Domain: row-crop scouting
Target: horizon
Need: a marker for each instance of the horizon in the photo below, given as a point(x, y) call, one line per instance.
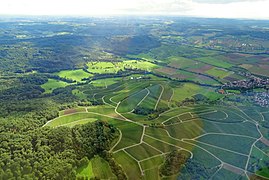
point(228, 9)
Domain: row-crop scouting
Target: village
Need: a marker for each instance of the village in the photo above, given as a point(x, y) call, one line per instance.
point(246, 84)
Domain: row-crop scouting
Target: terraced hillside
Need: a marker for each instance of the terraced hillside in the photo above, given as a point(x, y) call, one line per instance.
point(221, 141)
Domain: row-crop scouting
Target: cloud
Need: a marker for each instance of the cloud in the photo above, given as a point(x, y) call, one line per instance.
point(204, 8)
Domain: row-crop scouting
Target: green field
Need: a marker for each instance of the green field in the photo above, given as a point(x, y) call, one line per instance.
point(101, 168)
point(76, 75)
point(218, 72)
point(105, 82)
point(114, 67)
point(97, 168)
point(79, 94)
point(215, 62)
point(53, 84)
point(85, 171)
point(76, 118)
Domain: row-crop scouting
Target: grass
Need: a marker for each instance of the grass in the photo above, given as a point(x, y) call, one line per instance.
point(101, 169)
point(76, 75)
point(96, 168)
point(85, 171)
point(79, 94)
point(79, 122)
point(53, 84)
point(60, 121)
point(114, 67)
point(105, 82)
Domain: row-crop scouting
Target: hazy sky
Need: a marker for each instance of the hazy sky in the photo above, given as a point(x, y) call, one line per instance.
point(205, 8)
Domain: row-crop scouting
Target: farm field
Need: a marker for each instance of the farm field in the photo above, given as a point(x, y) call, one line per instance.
point(144, 143)
point(76, 75)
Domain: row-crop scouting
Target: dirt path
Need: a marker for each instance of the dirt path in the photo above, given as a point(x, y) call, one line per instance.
point(156, 105)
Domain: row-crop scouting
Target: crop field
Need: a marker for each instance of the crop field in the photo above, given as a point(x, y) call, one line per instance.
point(188, 90)
point(53, 84)
point(219, 73)
point(151, 101)
point(142, 151)
point(179, 74)
point(260, 69)
point(184, 63)
point(209, 134)
point(76, 75)
point(131, 102)
point(215, 62)
point(129, 165)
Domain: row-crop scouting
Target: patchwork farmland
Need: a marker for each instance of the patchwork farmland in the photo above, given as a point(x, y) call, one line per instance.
point(145, 140)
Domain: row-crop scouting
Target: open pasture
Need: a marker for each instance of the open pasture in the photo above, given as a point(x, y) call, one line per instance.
point(53, 84)
point(105, 82)
point(76, 75)
point(99, 67)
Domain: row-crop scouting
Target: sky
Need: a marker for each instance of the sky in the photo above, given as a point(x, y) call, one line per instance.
point(254, 9)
